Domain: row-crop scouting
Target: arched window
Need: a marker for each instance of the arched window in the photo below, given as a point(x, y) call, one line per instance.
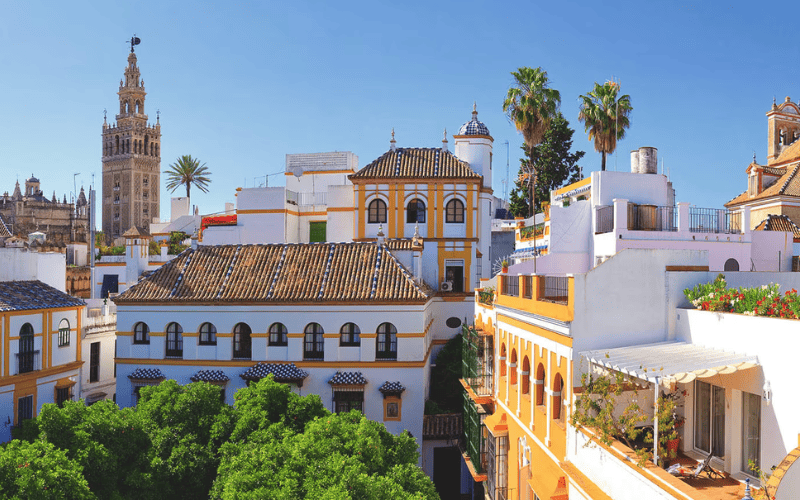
point(502, 360)
point(513, 367)
point(63, 333)
point(415, 211)
point(558, 386)
point(540, 385)
point(141, 333)
point(27, 355)
point(242, 343)
point(208, 334)
point(314, 342)
point(174, 340)
point(278, 335)
point(454, 211)
point(350, 335)
point(377, 211)
point(146, 145)
point(731, 265)
point(386, 347)
point(525, 374)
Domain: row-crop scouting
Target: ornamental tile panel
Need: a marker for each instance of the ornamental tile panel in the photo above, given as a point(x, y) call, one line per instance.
point(147, 374)
point(348, 378)
point(209, 376)
point(281, 372)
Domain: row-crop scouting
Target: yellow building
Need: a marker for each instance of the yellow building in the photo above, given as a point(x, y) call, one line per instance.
point(41, 350)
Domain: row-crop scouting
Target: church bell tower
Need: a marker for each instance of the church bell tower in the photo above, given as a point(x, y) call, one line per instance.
point(131, 159)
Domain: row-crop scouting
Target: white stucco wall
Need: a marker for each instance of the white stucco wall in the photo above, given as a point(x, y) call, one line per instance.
point(18, 264)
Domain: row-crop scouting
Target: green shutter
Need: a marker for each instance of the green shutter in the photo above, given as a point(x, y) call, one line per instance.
point(317, 232)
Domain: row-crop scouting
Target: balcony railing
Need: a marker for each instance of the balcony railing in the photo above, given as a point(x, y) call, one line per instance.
point(511, 286)
point(556, 289)
point(27, 361)
point(313, 198)
point(712, 220)
point(605, 219)
point(527, 287)
point(652, 218)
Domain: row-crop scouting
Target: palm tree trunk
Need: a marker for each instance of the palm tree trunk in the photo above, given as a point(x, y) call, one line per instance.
point(533, 210)
point(189, 185)
point(604, 160)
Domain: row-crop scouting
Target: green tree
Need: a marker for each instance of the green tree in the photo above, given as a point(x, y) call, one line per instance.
point(40, 471)
point(605, 117)
point(187, 171)
point(554, 164)
point(446, 390)
point(530, 104)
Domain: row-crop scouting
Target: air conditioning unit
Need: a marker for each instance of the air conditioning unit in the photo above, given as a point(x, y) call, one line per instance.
point(446, 286)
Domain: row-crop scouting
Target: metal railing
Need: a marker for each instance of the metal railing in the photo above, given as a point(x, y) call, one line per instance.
point(605, 219)
point(527, 287)
point(312, 198)
point(652, 218)
point(511, 286)
point(27, 361)
point(556, 289)
point(713, 220)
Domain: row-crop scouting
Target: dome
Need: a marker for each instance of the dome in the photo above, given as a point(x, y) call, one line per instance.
point(474, 127)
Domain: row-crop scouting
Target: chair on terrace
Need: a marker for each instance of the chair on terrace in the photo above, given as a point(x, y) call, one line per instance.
point(704, 466)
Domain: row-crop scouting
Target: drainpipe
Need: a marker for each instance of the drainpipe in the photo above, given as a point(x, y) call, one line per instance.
point(655, 423)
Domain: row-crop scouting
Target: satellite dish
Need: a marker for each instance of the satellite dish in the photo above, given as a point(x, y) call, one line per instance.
point(297, 171)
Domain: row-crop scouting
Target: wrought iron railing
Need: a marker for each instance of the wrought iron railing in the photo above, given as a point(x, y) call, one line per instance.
point(527, 287)
point(605, 219)
point(652, 218)
point(511, 286)
point(713, 220)
point(556, 289)
point(27, 361)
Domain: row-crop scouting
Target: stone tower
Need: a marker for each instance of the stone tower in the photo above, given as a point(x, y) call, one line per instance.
point(131, 160)
point(784, 128)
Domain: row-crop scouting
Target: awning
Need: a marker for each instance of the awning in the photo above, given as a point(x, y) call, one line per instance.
point(669, 362)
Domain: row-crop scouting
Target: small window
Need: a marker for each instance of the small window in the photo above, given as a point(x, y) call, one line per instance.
point(525, 375)
point(377, 212)
point(346, 400)
point(454, 211)
point(63, 333)
point(278, 335)
point(350, 335)
point(557, 388)
point(63, 394)
point(94, 362)
point(314, 342)
point(208, 334)
point(141, 333)
point(174, 340)
point(26, 358)
point(540, 385)
point(24, 408)
point(386, 347)
point(502, 360)
point(731, 265)
point(242, 342)
point(513, 367)
point(415, 213)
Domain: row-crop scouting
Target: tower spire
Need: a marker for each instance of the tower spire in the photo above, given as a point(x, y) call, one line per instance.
point(392, 143)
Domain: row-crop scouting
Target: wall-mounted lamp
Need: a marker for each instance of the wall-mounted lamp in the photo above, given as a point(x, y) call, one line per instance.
point(767, 393)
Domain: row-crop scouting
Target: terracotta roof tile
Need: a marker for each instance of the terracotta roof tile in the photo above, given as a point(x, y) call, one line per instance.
point(310, 272)
point(445, 426)
point(790, 153)
point(414, 163)
point(779, 223)
point(26, 295)
point(787, 184)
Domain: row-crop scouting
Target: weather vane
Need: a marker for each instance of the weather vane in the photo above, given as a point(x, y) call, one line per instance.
point(104, 114)
point(134, 41)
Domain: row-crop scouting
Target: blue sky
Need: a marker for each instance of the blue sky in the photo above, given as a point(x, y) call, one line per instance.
point(241, 85)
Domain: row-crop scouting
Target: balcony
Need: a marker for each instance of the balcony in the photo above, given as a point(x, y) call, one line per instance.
point(27, 362)
point(541, 295)
point(313, 198)
point(681, 219)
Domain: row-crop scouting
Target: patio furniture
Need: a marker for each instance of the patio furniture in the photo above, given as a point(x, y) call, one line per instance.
point(704, 466)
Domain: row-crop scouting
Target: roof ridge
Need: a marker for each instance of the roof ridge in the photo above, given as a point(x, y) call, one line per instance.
point(406, 274)
point(375, 273)
point(789, 179)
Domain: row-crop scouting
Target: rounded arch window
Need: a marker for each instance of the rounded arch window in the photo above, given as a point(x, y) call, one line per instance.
point(377, 211)
point(525, 374)
point(731, 265)
point(350, 335)
point(386, 346)
point(502, 360)
point(513, 367)
point(540, 374)
point(174, 340)
point(242, 341)
point(63, 333)
point(208, 334)
point(314, 342)
point(454, 211)
point(415, 212)
point(558, 386)
point(141, 333)
point(278, 334)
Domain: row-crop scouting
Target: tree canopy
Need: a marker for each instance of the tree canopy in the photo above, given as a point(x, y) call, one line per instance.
point(555, 165)
point(605, 117)
point(187, 171)
point(183, 442)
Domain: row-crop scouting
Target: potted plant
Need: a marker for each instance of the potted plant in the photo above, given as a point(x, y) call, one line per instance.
point(668, 424)
point(505, 266)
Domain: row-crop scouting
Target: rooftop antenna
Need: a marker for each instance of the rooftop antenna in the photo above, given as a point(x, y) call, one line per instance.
point(134, 41)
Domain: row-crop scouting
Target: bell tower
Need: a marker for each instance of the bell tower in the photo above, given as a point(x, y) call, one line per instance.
point(131, 159)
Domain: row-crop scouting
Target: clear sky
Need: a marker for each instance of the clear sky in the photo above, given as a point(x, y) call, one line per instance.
point(241, 85)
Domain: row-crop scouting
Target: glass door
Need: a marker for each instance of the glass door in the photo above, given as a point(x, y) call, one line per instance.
point(709, 419)
point(751, 431)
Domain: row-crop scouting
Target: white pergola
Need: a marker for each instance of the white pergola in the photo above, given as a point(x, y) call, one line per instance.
point(667, 363)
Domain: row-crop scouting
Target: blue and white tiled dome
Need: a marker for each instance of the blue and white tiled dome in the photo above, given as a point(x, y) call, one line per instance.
point(474, 127)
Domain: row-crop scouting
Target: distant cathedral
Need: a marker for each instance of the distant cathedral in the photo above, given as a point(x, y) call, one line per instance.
point(131, 160)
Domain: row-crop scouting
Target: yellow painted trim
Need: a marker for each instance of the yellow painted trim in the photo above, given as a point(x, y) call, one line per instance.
point(295, 335)
point(392, 229)
point(440, 214)
point(541, 332)
point(369, 335)
point(105, 264)
point(401, 211)
point(556, 311)
point(431, 218)
point(330, 335)
point(466, 255)
point(410, 335)
point(362, 211)
point(299, 364)
point(575, 185)
point(470, 210)
point(341, 209)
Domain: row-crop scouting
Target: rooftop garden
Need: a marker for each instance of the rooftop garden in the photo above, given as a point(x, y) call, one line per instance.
point(529, 231)
point(765, 300)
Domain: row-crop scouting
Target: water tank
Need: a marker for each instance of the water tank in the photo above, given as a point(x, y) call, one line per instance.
point(635, 161)
point(648, 160)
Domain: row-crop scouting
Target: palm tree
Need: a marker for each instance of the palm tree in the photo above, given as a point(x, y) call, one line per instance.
point(605, 117)
point(530, 104)
point(187, 171)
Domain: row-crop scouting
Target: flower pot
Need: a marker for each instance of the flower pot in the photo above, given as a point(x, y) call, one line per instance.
point(672, 447)
point(505, 270)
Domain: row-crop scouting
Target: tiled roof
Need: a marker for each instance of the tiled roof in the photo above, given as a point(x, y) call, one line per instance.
point(774, 171)
point(779, 223)
point(392, 388)
point(135, 231)
point(281, 372)
point(399, 244)
point(786, 185)
point(790, 153)
point(209, 376)
point(445, 426)
point(348, 378)
point(25, 295)
point(4, 231)
point(280, 273)
point(147, 374)
point(415, 163)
